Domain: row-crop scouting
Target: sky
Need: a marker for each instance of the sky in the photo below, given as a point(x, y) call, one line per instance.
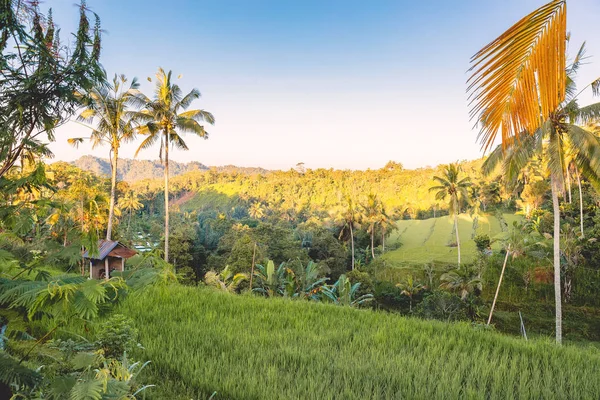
point(331, 83)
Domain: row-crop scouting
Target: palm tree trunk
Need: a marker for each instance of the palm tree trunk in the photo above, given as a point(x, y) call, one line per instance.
point(82, 248)
point(113, 190)
point(373, 240)
point(557, 291)
point(569, 185)
point(129, 222)
point(580, 201)
point(352, 244)
point(253, 260)
point(457, 237)
point(166, 197)
point(499, 283)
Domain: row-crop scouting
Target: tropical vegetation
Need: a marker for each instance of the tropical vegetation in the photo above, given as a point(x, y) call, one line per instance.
point(440, 282)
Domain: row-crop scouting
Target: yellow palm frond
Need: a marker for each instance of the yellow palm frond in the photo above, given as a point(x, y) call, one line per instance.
point(519, 79)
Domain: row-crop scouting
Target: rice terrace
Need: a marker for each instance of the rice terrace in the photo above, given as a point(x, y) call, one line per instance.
point(392, 200)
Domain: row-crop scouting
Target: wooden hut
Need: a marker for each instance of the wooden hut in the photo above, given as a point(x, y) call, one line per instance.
point(111, 256)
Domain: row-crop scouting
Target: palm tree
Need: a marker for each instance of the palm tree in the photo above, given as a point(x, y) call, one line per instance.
point(521, 87)
point(349, 216)
point(456, 189)
point(164, 121)
point(107, 105)
point(410, 288)
point(130, 202)
point(463, 281)
point(256, 210)
point(373, 211)
point(386, 224)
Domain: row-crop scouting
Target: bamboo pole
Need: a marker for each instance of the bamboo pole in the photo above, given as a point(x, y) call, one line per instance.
point(499, 283)
point(252, 271)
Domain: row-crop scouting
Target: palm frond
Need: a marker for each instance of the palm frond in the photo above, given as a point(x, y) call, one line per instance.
point(178, 141)
point(189, 125)
point(589, 114)
point(519, 79)
point(147, 143)
point(199, 115)
point(187, 100)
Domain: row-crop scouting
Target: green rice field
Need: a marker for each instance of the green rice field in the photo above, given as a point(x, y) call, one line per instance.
point(244, 347)
point(427, 240)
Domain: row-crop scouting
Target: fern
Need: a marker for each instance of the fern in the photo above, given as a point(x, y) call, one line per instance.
point(15, 374)
point(87, 389)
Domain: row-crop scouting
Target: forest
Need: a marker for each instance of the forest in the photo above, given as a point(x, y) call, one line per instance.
point(474, 279)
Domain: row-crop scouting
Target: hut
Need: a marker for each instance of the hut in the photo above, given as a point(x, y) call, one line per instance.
point(111, 256)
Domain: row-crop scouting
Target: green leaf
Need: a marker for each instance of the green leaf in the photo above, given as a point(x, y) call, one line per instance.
point(84, 360)
point(87, 390)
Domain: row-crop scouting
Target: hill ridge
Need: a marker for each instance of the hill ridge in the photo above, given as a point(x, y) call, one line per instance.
point(132, 170)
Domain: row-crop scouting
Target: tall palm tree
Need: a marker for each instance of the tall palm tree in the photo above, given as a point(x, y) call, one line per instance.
point(164, 119)
point(349, 215)
point(386, 224)
point(115, 124)
point(520, 86)
point(373, 211)
point(456, 189)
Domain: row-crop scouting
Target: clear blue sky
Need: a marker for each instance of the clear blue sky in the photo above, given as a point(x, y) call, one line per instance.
point(331, 83)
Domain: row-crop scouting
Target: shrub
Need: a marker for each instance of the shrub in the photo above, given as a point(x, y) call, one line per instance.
point(117, 336)
point(482, 242)
point(443, 306)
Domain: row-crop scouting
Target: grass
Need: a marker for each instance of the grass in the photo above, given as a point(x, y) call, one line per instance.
point(425, 241)
point(242, 347)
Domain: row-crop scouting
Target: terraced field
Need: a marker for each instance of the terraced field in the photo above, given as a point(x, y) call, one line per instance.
point(206, 344)
point(428, 240)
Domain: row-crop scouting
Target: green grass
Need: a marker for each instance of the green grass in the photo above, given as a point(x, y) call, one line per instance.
point(425, 241)
point(244, 347)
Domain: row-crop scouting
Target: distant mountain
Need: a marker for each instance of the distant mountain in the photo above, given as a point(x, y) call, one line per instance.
point(135, 170)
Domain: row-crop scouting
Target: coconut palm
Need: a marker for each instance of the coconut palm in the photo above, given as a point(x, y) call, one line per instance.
point(464, 281)
point(373, 210)
point(130, 203)
point(256, 210)
point(107, 105)
point(349, 215)
point(386, 224)
point(410, 288)
point(521, 87)
point(450, 186)
point(164, 119)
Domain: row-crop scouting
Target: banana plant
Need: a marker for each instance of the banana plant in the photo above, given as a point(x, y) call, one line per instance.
point(310, 283)
point(225, 280)
point(344, 293)
point(272, 280)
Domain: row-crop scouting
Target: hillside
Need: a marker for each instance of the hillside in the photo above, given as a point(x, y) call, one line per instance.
point(201, 341)
point(130, 170)
point(424, 241)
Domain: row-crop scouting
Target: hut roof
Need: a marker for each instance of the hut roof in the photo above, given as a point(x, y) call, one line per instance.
point(111, 248)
